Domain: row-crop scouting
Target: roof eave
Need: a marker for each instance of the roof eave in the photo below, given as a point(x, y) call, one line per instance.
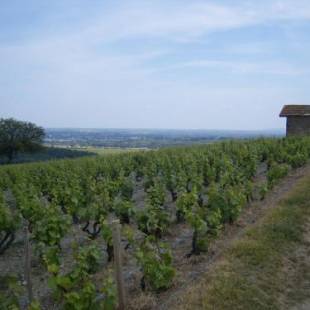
point(287, 115)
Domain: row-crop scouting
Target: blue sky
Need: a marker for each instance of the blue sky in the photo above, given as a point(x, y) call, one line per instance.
point(154, 64)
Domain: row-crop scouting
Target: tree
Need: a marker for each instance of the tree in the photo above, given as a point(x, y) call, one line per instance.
point(17, 136)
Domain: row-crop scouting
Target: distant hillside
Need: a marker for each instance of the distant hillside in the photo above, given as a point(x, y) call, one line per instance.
point(141, 138)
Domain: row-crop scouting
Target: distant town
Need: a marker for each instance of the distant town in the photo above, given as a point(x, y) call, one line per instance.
point(144, 138)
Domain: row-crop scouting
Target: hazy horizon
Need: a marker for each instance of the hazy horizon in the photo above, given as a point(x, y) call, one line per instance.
point(212, 65)
point(163, 129)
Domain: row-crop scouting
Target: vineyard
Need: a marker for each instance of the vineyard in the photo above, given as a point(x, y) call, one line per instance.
point(170, 202)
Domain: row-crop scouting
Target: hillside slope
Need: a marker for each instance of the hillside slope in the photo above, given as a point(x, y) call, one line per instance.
point(267, 266)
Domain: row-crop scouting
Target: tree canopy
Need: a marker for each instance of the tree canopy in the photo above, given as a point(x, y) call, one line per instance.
point(18, 136)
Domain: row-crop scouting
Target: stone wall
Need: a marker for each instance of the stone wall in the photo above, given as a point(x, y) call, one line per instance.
point(298, 125)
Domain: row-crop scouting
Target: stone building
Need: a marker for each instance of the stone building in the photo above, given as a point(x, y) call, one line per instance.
point(298, 119)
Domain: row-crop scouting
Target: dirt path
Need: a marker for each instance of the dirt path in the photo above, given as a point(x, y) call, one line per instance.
point(194, 268)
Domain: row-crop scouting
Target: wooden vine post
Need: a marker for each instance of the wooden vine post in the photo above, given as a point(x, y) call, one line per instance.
point(28, 265)
point(118, 264)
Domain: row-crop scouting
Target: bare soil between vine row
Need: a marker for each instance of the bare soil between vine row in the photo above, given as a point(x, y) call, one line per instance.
point(179, 238)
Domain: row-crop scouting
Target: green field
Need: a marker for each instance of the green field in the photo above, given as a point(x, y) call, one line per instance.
point(108, 150)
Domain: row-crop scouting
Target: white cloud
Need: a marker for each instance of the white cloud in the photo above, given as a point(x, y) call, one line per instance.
point(184, 20)
point(174, 19)
point(82, 50)
point(243, 67)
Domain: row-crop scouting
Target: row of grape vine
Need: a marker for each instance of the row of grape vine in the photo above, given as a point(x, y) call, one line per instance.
point(209, 185)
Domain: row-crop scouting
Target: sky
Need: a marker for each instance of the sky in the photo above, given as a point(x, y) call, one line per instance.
point(190, 64)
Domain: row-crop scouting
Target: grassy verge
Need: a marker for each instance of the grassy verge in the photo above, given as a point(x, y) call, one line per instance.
point(253, 273)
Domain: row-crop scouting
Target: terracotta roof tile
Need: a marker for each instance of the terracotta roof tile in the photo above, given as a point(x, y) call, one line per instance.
point(295, 110)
